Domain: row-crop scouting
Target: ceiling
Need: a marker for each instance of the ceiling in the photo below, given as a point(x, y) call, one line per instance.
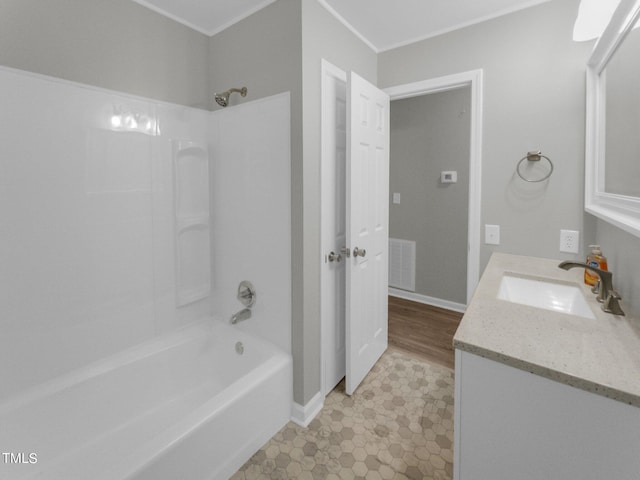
point(382, 24)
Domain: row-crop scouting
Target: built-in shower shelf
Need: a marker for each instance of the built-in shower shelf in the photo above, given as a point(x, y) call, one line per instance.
point(186, 297)
point(191, 162)
point(192, 225)
point(187, 147)
point(186, 223)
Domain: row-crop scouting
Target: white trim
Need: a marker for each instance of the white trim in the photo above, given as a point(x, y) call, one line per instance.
point(435, 33)
point(240, 17)
point(457, 414)
point(171, 16)
point(103, 90)
point(427, 300)
point(622, 22)
point(329, 71)
point(433, 85)
point(210, 32)
point(471, 78)
point(303, 414)
point(460, 26)
point(621, 211)
point(350, 27)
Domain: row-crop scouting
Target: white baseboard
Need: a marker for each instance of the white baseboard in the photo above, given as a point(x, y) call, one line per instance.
point(303, 414)
point(436, 302)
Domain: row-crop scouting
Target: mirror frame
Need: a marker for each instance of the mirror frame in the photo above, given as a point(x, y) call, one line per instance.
point(620, 210)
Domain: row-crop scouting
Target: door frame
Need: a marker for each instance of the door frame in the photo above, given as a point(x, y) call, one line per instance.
point(473, 79)
point(330, 73)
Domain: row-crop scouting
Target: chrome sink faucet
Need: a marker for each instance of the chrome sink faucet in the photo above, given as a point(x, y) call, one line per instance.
point(606, 294)
point(605, 285)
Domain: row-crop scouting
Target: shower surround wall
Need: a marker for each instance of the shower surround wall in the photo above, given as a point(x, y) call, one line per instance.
point(87, 225)
point(251, 214)
point(87, 214)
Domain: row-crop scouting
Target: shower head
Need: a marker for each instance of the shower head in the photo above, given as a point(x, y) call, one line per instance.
point(222, 99)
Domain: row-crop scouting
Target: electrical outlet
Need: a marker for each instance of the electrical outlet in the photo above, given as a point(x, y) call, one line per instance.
point(569, 241)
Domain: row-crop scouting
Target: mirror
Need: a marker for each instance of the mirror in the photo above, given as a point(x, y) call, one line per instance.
point(622, 119)
point(612, 167)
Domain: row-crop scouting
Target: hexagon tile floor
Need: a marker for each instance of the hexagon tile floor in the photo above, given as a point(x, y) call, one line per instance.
point(397, 425)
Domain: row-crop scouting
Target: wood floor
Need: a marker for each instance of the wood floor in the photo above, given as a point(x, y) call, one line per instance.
point(423, 330)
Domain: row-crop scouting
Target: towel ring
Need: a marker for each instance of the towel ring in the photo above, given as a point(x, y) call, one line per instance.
point(534, 157)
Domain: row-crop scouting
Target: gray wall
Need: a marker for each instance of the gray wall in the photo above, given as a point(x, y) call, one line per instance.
point(534, 97)
point(623, 257)
point(322, 37)
point(120, 45)
point(262, 52)
point(114, 44)
point(280, 48)
point(429, 134)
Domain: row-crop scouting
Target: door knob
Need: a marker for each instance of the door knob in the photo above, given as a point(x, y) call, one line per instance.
point(345, 251)
point(334, 257)
point(359, 252)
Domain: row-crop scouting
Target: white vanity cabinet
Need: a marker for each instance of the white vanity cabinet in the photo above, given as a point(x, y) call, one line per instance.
point(516, 425)
point(542, 394)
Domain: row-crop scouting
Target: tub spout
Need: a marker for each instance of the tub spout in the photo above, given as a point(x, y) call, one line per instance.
point(243, 314)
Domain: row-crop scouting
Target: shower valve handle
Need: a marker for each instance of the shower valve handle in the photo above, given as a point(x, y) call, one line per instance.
point(246, 294)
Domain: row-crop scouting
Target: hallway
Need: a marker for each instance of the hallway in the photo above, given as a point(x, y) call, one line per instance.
point(423, 330)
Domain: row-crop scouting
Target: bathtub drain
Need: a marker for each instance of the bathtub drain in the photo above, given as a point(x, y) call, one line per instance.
point(239, 348)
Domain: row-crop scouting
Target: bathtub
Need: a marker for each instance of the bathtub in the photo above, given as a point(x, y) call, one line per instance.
point(194, 405)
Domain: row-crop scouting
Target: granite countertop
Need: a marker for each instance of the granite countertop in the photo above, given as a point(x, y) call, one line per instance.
point(601, 356)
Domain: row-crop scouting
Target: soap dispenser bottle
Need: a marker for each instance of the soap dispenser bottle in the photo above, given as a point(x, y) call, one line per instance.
point(597, 260)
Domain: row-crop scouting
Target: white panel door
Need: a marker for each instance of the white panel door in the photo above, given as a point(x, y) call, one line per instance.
point(367, 195)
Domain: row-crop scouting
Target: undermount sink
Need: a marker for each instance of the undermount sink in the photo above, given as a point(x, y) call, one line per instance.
point(549, 295)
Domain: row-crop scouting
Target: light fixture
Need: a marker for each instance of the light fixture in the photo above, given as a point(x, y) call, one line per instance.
point(593, 17)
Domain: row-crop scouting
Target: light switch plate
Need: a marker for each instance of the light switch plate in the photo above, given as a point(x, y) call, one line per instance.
point(492, 234)
point(396, 198)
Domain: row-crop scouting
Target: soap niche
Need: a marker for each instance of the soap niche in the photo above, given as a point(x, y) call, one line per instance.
point(192, 225)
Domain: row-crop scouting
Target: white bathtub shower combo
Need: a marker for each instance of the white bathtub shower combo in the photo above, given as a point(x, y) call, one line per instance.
point(163, 409)
point(117, 356)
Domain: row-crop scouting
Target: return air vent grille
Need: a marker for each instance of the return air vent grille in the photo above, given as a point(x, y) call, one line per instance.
point(402, 264)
